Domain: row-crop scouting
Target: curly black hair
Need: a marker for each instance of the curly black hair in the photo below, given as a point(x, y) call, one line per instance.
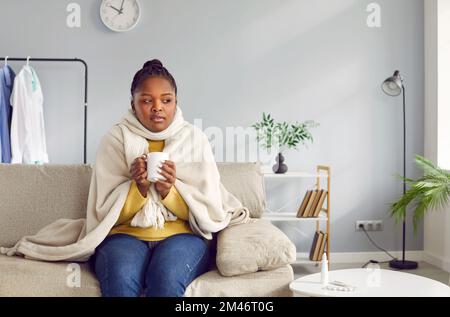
point(153, 68)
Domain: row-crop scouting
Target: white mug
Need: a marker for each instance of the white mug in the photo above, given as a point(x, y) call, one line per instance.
point(154, 162)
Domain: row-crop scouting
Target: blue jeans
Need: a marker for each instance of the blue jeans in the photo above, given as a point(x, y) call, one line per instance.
point(126, 266)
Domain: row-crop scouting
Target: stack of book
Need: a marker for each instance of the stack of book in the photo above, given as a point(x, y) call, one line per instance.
point(312, 203)
point(318, 246)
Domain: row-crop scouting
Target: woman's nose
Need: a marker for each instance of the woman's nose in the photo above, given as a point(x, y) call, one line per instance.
point(157, 106)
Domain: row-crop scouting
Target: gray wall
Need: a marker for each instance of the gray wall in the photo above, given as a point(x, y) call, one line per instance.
point(297, 59)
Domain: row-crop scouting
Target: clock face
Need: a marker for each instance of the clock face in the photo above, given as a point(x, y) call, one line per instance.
point(120, 15)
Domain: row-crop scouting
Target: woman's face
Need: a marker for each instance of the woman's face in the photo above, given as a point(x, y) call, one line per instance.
point(155, 103)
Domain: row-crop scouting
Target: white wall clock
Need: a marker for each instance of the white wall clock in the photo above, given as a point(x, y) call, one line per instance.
point(120, 15)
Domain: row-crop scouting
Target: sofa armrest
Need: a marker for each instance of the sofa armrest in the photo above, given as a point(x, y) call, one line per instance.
point(251, 247)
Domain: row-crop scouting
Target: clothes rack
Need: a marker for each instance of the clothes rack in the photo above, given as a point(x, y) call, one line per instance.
point(77, 60)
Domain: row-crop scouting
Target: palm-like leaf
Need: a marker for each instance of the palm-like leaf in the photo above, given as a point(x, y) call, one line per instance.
point(430, 192)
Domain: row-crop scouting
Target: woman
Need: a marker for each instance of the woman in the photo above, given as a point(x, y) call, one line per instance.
point(163, 261)
point(146, 238)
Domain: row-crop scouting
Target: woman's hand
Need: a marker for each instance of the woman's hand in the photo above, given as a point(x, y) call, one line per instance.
point(138, 173)
point(168, 170)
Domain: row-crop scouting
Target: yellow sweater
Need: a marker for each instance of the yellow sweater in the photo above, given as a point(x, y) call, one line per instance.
point(173, 201)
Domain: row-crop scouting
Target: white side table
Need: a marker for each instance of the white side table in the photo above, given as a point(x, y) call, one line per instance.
point(371, 283)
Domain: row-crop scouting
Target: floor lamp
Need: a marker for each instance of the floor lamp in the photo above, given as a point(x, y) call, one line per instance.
point(393, 86)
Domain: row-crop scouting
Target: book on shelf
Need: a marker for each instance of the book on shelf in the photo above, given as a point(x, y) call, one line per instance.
point(311, 199)
point(315, 248)
point(314, 203)
point(318, 246)
point(320, 202)
point(305, 201)
point(322, 247)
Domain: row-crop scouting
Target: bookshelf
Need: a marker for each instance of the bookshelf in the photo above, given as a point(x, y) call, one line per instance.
point(322, 177)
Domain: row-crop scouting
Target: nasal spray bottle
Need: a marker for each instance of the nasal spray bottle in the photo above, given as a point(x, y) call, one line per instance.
point(324, 271)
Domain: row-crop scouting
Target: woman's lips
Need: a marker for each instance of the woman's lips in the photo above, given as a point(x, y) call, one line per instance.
point(157, 119)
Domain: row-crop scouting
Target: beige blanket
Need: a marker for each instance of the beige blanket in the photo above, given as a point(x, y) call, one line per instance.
point(211, 206)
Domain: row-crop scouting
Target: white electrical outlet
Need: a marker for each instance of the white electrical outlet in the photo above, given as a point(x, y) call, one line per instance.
point(369, 225)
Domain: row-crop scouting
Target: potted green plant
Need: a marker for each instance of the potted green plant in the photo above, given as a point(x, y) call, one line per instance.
point(429, 192)
point(283, 136)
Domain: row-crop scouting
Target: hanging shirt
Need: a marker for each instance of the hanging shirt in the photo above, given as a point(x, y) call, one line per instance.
point(27, 124)
point(6, 85)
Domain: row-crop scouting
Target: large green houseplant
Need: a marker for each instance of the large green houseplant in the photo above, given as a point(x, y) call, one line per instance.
point(429, 192)
point(283, 136)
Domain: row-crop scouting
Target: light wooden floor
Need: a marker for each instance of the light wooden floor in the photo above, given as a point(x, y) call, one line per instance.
point(425, 269)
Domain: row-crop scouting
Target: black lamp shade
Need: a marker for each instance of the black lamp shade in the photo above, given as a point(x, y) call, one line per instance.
point(393, 85)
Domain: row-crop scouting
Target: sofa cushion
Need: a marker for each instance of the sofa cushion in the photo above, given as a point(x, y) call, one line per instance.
point(248, 248)
point(246, 182)
point(274, 283)
point(32, 196)
point(22, 277)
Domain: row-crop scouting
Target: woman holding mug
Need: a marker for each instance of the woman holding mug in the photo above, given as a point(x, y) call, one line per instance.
point(161, 261)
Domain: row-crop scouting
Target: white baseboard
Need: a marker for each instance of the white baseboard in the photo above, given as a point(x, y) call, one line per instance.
point(436, 260)
point(362, 257)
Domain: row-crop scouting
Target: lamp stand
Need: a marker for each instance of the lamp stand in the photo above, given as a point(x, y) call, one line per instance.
point(403, 264)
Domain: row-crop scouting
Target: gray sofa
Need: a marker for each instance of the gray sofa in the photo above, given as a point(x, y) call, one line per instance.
point(33, 196)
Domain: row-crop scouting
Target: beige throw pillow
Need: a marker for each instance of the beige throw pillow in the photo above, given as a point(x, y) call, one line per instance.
point(252, 247)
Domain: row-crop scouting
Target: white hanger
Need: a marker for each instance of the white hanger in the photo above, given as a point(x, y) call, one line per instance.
point(28, 60)
point(6, 60)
